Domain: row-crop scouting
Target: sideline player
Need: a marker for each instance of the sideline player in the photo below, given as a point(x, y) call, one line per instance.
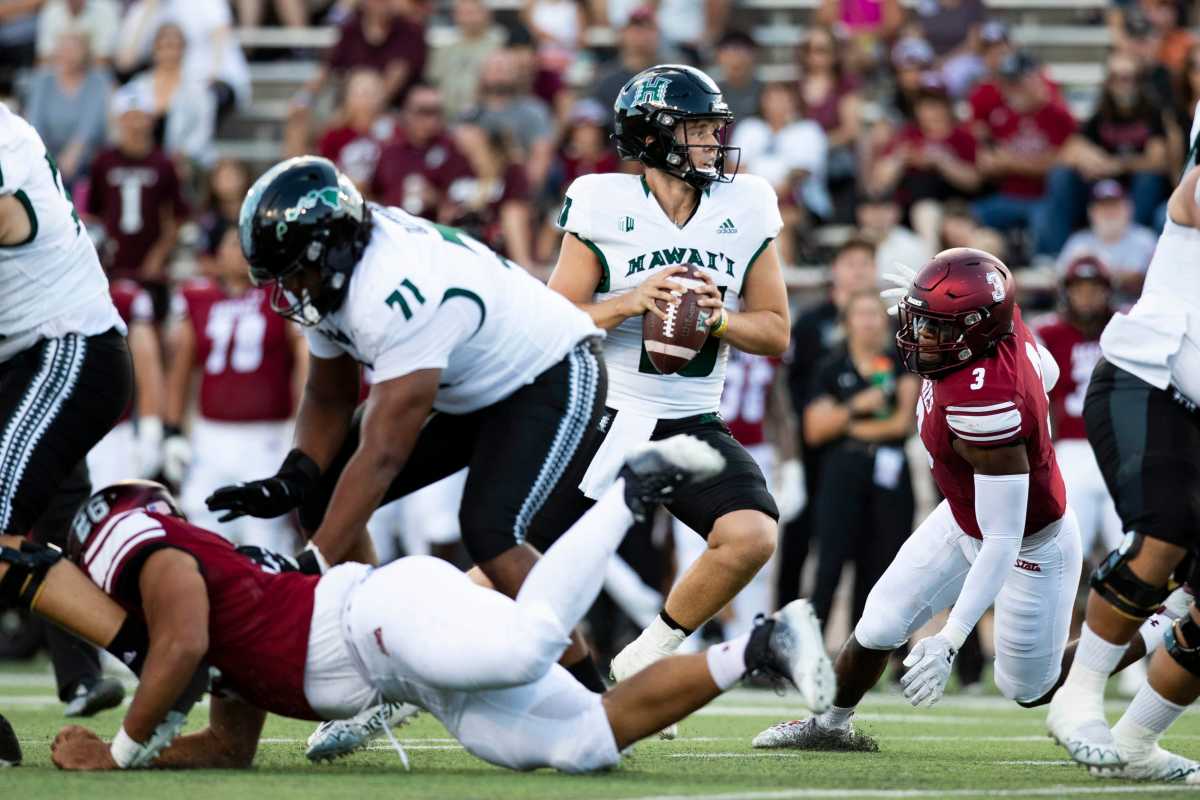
point(628, 239)
point(251, 364)
point(65, 373)
point(1002, 536)
point(133, 448)
point(310, 647)
point(1144, 425)
point(1073, 339)
point(471, 361)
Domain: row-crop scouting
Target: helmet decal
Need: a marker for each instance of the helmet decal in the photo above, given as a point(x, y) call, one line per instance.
point(328, 196)
point(997, 284)
point(652, 91)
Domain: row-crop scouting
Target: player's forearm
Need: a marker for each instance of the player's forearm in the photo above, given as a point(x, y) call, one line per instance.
point(359, 491)
point(764, 333)
point(609, 313)
point(229, 742)
point(170, 665)
point(322, 423)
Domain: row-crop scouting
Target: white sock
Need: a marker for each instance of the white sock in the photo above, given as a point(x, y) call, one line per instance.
point(1148, 716)
point(836, 717)
point(1153, 630)
point(1095, 659)
point(565, 581)
point(661, 636)
point(727, 661)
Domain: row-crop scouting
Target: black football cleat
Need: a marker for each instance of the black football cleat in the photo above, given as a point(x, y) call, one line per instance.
point(653, 471)
point(90, 700)
point(10, 748)
point(789, 645)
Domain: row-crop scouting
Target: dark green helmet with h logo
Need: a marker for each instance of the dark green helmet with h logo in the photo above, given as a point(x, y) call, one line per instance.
point(304, 213)
point(657, 101)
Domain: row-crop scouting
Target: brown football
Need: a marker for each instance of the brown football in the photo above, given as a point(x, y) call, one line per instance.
point(673, 342)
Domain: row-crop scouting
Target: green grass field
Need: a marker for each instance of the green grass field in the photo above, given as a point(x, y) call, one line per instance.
point(966, 747)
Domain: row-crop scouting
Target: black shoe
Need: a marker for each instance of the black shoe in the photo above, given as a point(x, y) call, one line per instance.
point(88, 701)
point(10, 748)
point(654, 471)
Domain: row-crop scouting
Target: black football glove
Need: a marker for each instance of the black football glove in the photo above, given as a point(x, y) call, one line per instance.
point(269, 497)
point(268, 560)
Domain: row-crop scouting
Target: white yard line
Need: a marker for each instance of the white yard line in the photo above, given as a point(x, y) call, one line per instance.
point(888, 794)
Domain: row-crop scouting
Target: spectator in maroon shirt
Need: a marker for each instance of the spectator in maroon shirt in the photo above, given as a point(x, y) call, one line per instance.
point(355, 141)
point(135, 194)
point(1019, 153)
point(996, 45)
point(421, 163)
point(494, 205)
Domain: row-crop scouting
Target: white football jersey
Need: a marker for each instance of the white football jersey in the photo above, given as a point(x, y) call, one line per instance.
point(618, 217)
point(425, 296)
point(52, 283)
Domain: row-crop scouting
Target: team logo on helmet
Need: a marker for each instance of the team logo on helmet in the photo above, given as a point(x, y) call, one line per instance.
point(997, 284)
point(652, 91)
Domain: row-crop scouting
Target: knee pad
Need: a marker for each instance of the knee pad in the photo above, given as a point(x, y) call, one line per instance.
point(27, 568)
point(1128, 594)
point(1187, 657)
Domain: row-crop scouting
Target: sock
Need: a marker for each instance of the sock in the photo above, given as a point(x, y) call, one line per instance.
point(586, 672)
point(727, 661)
point(565, 581)
point(836, 717)
point(1148, 716)
point(1153, 630)
point(671, 623)
point(1095, 659)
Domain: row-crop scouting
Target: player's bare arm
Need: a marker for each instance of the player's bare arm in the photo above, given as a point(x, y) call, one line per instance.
point(578, 273)
point(763, 326)
point(15, 225)
point(395, 412)
point(326, 407)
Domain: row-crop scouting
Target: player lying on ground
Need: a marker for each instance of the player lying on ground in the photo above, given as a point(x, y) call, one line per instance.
point(1143, 423)
point(1003, 536)
point(415, 631)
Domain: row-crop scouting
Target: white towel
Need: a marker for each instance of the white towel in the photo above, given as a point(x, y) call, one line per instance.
point(628, 430)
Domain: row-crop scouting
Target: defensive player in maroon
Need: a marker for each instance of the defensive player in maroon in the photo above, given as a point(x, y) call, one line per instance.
point(251, 364)
point(1003, 536)
point(324, 646)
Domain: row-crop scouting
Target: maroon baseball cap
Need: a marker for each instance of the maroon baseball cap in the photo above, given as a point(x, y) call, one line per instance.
point(1087, 267)
point(1107, 189)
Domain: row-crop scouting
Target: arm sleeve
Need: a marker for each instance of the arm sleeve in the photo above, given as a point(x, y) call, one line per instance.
point(1000, 507)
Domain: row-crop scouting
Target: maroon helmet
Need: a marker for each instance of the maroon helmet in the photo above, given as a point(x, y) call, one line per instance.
point(121, 496)
point(958, 307)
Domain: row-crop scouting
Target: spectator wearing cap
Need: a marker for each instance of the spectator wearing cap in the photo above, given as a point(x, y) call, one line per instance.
point(790, 153)
point(930, 161)
point(1019, 153)
point(995, 46)
point(1125, 139)
point(494, 204)
point(1112, 235)
point(912, 57)
point(355, 141)
point(417, 168)
point(67, 104)
point(737, 58)
point(879, 223)
point(638, 47)
point(98, 20)
point(832, 98)
point(136, 197)
point(454, 67)
point(950, 26)
point(1141, 41)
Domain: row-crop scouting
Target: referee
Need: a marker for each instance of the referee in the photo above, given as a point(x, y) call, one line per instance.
point(65, 375)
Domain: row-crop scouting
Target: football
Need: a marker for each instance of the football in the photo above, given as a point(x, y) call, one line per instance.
point(672, 342)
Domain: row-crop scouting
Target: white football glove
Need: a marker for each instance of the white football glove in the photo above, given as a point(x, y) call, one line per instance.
point(788, 490)
point(929, 666)
point(177, 456)
point(148, 444)
point(902, 278)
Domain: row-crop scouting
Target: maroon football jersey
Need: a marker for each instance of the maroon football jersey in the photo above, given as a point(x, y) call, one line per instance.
point(1076, 355)
point(129, 196)
point(243, 353)
point(258, 621)
point(995, 401)
point(417, 178)
point(748, 381)
point(134, 305)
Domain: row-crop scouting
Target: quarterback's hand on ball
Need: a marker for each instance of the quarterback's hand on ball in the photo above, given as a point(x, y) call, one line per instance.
point(710, 297)
point(77, 748)
point(657, 287)
point(928, 670)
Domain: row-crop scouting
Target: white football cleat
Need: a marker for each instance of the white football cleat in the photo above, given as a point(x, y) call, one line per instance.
point(789, 644)
point(1156, 765)
point(1077, 723)
point(341, 737)
point(810, 734)
point(641, 653)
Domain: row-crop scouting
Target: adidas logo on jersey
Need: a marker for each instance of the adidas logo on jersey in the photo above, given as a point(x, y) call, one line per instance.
point(727, 226)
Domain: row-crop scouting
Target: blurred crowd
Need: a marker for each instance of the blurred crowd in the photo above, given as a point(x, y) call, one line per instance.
point(903, 131)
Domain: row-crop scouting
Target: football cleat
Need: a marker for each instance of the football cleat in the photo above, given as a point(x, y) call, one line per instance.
point(789, 644)
point(341, 737)
point(653, 471)
point(641, 653)
point(810, 734)
point(1156, 765)
point(10, 748)
point(88, 701)
point(1078, 725)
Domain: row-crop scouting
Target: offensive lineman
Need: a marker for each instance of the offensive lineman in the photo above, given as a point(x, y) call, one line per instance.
point(65, 374)
point(325, 646)
point(628, 238)
point(1143, 423)
point(1003, 535)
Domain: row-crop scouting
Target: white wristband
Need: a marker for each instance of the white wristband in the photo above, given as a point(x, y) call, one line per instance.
point(124, 749)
